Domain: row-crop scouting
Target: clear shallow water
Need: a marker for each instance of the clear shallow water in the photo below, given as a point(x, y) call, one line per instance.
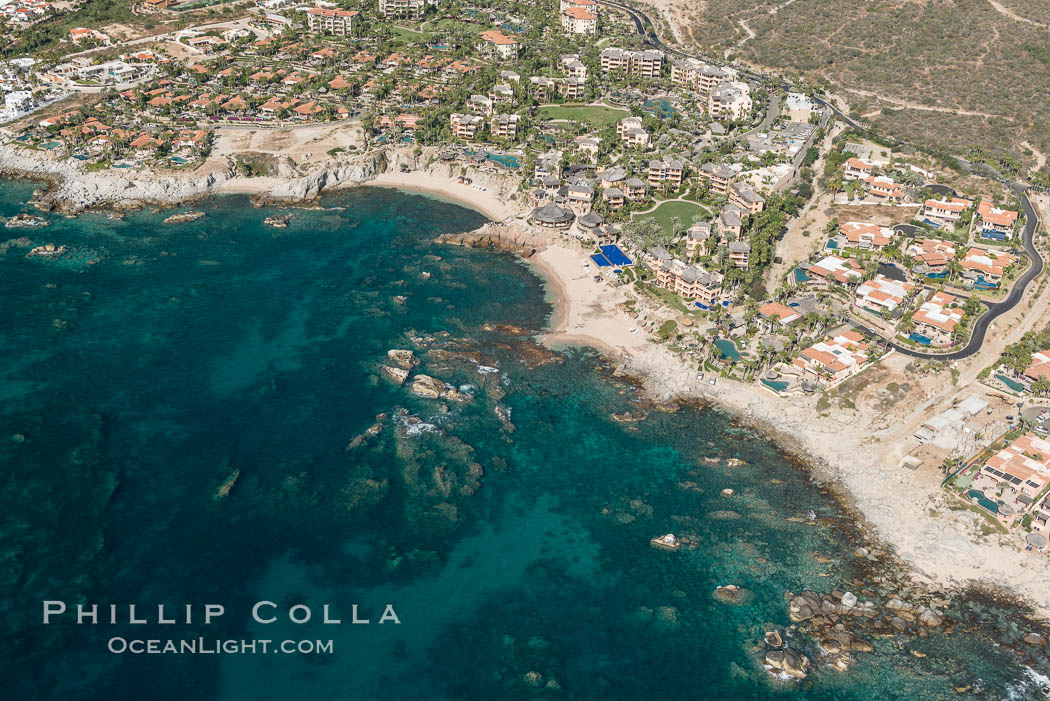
point(155, 360)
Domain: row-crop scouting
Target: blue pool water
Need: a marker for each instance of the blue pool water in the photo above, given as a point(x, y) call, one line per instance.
point(919, 338)
point(727, 349)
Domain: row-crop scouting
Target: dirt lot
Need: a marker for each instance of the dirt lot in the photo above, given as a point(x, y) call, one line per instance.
point(301, 144)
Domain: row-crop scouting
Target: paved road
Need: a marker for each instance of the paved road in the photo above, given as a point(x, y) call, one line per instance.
point(647, 30)
point(995, 309)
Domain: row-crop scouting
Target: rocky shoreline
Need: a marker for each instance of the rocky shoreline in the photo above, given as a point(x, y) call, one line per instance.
point(70, 189)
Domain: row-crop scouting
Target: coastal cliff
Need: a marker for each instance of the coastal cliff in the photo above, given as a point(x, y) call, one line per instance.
point(73, 189)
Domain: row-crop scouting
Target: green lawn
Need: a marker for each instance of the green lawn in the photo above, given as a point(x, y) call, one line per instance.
point(595, 116)
point(669, 210)
point(406, 35)
point(446, 24)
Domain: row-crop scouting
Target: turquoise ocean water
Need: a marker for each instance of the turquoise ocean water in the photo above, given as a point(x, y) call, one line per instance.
point(155, 363)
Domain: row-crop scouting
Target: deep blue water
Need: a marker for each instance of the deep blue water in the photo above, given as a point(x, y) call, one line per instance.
point(153, 362)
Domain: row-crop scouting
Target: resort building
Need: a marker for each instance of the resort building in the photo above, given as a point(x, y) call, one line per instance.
point(504, 126)
point(501, 92)
point(741, 195)
point(835, 269)
point(730, 98)
point(572, 88)
point(410, 9)
point(644, 64)
point(573, 66)
point(630, 130)
point(634, 188)
point(944, 213)
point(835, 359)
point(323, 20)
point(937, 318)
point(730, 221)
point(882, 294)
point(695, 74)
point(996, 223)
point(542, 87)
point(466, 126)
point(577, 20)
point(934, 254)
point(688, 281)
point(987, 267)
point(718, 177)
point(496, 42)
point(552, 216)
point(1023, 466)
point(698, 239)
point(666, 174)
point(740, 254)
point(866, 236)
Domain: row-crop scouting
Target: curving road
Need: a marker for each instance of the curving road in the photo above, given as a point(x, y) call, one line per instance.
point(995, 309)
point(647, 30)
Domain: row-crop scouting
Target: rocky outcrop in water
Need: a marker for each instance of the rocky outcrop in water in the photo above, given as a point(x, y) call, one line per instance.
point(502, 237)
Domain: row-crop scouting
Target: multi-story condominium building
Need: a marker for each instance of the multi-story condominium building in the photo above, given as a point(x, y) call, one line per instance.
point(466, 126)
point(730, 98)
point(700, 76)
point(543, 87)
point(576, 20)
point(740, 254)
point(412, 9)
point(747, 199)
point(496, 42)
point(644, 64)
point(698, 239)
point(666, 174)
point(331, 21)
point(630, 130)
point(689, 281)
point(634, 188)
point(580, 196)
point(573, 66)
point(504, 126)
point(719, 177)
point(572, 88)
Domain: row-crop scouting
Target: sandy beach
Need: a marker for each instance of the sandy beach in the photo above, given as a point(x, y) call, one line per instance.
point(907, 510)
point(487, 202)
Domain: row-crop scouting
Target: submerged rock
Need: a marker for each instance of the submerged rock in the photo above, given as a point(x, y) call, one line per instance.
point(395, 375)
point(183, 217)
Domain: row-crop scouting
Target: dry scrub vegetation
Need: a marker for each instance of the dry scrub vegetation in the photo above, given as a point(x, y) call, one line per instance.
point(915, 55)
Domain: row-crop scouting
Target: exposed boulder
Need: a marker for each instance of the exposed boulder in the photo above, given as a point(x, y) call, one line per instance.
point(395, 375)
point(427, 387)
point(403, 358)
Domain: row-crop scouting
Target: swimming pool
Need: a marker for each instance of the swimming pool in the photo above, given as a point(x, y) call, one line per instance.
point(1010, 382)
point(777, 386)
point(727, 349)
point(920, 339)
